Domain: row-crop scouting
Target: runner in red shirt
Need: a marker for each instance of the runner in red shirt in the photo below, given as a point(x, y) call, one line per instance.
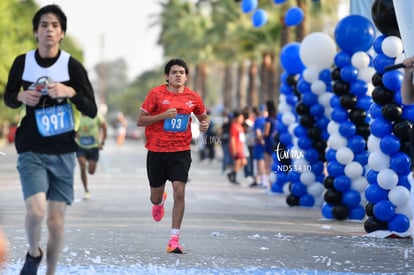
point(237, 146)
point(166, 114)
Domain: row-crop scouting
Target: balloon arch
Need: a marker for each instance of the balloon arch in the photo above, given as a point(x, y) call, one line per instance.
point(343, 132)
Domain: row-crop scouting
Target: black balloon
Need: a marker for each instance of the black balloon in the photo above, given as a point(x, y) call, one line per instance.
point(377, 79)
point(292, 80)
point(369, 209)
point(307, 121)
point(340, 212)
point(340, 87)
point(358, 116)
point(402, 129)
point(302, 108)
point(336, 74)
point(332, 197)
point(391, 111)
point(314, 133)
point(372, 224)
point(320, 146)
point(364, 130)
point(348, 101)
point(292, 200)
point(382, 95)
point(383, 15)
point(328, 182)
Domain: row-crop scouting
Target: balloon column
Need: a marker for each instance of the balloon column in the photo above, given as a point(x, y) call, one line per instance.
point(291, 62)
point(306, 173)
point(388, 193)
point(349, 128)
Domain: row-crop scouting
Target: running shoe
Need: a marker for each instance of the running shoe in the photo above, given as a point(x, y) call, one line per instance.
point(158, 210)
point(174, 246)
point(87, 196)
point(31, 264)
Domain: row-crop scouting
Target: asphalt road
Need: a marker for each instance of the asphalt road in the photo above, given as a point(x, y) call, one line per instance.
point(227, 229)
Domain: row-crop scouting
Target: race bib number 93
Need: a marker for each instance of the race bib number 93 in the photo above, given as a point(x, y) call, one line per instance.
point(177, 124)
point(54, 120)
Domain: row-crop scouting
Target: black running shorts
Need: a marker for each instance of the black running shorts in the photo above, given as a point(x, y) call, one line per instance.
point(163, 166)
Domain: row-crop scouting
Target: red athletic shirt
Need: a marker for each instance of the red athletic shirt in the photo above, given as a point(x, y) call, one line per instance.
point(158, 100)
point(237, 132)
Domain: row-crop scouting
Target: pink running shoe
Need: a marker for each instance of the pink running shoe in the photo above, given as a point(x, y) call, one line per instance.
point(158, 210)
point(174, 246)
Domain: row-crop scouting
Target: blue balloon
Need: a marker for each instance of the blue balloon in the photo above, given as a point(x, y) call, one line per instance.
point(294, 176)
point(303, 86)
point(408, 112)
point(335, 101)
point(259, 18)
point(347, 129)
point(298, 189)
point(362, 158)
point(381, 127)
point(327, 211)
point(351, 198)
point(290, 58)
point(349, 73)
point(339, 114)
point(285, 138)
point(309, 98)
point(317, 168)
point(342, 59)
point(364, 102)
point(248, 5)
point(374, 193)
point(378, 43)
point(304, 143)
point(322, 122)
point(384, 210)
point(392, 80)
point(355, 33)
point(381, 61)
point(375, 110)
point(330, 155)
point(390, 144)
point(300, 131)
point(399, 223)
point(325, 76)
point(357, 144)
point(357, 213)
point(311, 155)
point(342, 183)
point(279, 1)
point(372, 176)
point(306, 200)
point(335, 169)
point(404, 181)
point(359, 87)
point(401, 163)
point(317, 110)
point(294, 16)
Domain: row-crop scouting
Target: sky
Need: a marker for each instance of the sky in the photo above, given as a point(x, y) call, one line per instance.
point(108, 30)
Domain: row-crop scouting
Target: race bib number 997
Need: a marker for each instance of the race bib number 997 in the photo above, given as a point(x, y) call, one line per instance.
point(177, 124)
point(54, 120)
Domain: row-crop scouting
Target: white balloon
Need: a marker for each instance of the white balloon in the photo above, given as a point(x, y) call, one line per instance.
point(378, 161)
point(359, 184)
point(336, 141)
point(307, 178)
point(318, 49)
point(366, 74)
point(353, 170)
point(404, 209)
point(333, 127)
point(311, 74)
point(318, 87)
point(285, 188)
point(392, 46)
point(324, 99)
point(315, 189)
point(291, 128)
point(360, 60)
point(344, 155)
point(387, 179)
point(373, 143)
point(288, 118)
point(399, 195)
